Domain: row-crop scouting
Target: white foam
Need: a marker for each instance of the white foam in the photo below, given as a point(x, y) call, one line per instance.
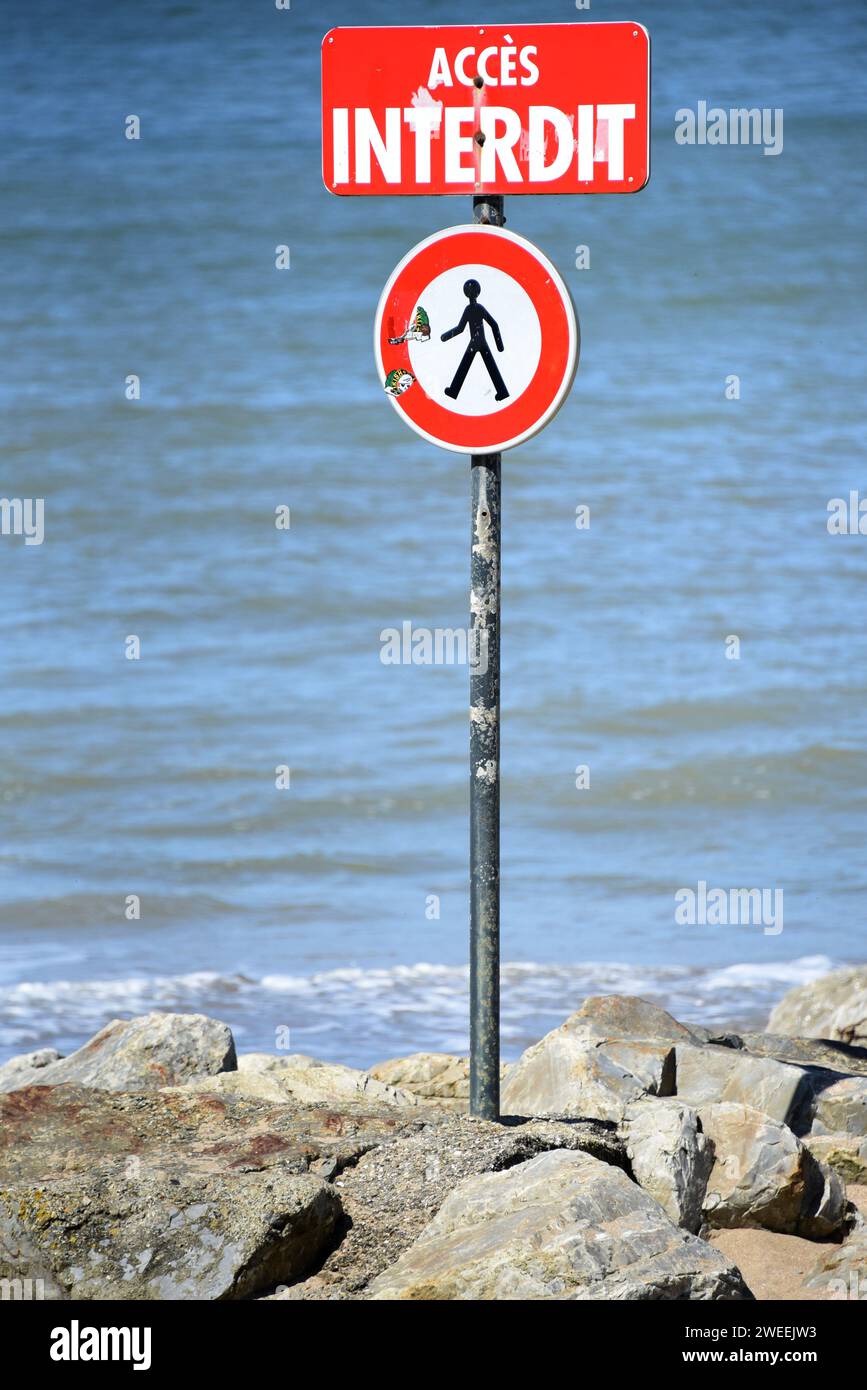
point(759, 976)
point(358, 1014)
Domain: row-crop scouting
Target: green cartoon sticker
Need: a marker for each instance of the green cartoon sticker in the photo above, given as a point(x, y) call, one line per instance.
point(418, 331)
point(398, 381)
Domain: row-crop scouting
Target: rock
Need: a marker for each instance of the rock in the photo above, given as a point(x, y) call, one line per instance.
point(809, 1052)
point(841, 1271)
point(610, 1053)
point(830, 1100)
point(764, 1177)
point(205, 1239)
point(845, 1153)
point(563, 1226)
point(261, 1076)
point(433, 1075)
point(834, 1007)
point(841, 1108)
point(781, 1090)
point(570, 1076)
point(439, 1077)
point(392, 1192)
point(153, 1050)
point(170, 1194)
point(671, 1157)
point(27, 1069)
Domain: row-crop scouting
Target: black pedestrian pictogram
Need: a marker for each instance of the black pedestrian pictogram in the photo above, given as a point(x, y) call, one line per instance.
point(475, 316)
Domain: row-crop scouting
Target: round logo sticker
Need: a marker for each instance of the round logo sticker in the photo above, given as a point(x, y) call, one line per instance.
point(476, 339)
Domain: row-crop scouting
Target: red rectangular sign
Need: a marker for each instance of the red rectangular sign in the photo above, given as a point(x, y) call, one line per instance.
point(516, 108)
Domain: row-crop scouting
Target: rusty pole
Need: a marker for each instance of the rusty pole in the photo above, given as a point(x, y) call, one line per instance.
point(485, 764)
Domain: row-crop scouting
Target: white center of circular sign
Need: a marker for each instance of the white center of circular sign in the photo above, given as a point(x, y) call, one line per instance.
point(438, 365)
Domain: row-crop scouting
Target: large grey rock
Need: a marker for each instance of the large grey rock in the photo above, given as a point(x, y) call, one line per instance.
point(764, 1177)
point(570, 1076)
point(834, 1006)
point(138, 1054)
point(27, 1069)
point(168, 1194)
point(706, 1075)
point(610, 1053)
point(841, 1108)
point(561, 1227)
point(261, 1076)
point(671, 1157)
point(113, 1238)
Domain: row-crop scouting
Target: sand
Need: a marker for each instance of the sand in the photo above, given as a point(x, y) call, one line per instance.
point(776, 1266)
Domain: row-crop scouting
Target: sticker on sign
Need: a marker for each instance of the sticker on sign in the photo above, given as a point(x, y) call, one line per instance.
point(476, 339)
point(527, 108)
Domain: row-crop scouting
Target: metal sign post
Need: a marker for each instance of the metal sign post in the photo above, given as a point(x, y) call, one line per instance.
point(484, 647)
point(485, 789)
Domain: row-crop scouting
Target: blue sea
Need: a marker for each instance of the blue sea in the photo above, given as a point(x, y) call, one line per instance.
point(313, 907)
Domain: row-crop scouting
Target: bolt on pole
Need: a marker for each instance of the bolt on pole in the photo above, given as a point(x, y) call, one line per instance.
point(485, 764)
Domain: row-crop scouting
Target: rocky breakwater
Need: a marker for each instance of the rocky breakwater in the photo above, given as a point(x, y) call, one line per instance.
point(155, 1163)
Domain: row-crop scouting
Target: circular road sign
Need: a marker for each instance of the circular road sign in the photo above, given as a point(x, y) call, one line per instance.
point(476, 339)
